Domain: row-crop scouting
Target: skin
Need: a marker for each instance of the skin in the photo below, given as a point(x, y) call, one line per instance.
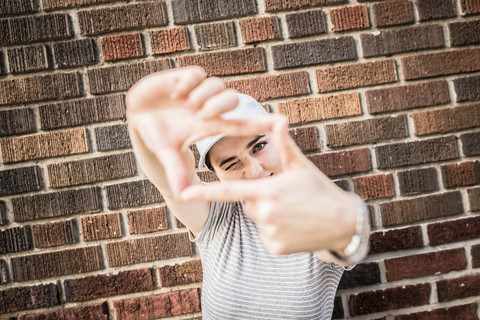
point(296, 209)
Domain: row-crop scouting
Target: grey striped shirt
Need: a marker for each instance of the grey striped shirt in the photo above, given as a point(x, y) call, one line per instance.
point(241, 280)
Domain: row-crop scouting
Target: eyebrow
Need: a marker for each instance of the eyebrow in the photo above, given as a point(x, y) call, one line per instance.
point(249, 145)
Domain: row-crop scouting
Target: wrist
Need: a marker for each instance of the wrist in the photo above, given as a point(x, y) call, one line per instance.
point(357, 247)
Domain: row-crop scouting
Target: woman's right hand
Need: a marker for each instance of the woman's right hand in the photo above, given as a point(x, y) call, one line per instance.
point(171, 109)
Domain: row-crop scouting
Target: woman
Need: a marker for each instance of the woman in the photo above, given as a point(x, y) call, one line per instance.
point(269, 233)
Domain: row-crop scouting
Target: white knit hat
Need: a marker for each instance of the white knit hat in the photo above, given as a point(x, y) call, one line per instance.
point(247, 108)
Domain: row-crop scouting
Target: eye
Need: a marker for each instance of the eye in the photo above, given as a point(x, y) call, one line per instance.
point(259, 146)
point(231, 166)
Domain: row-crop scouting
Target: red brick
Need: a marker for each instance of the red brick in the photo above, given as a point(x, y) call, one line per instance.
point(74, 53)
point(407, 97)
point(446, 119)
point(441, 64)
point(80, 112)
point(180, 274)
point(305, 24)
point(356, 75)
point(421, 209)
point(21, 180)
point(467, 311)
point(471, 143)
point(91, 170)
point(206, 176)
point(374, 187)
point(55, 233)
point(147, 220)
point(26, 298)
point(189, 11)
point(227, 62)
point(461, 174)
point(101, 227)
point(17, 121)
point(277, 5)
point(112, 137)
point(343, 162)
point(56, 204)
point(39, 88)
point(314, 109)
point(55, 264)
point(169, 40)
point(421, 265)
point(121, 46)
point(390, 42)
point(132, 194)
point(122, 77)
point(299, 54)
point(44, 145)
point(396, 239)
point(306, 138)
point(474, 199)
point(467, 88)
point(59, 4)
point(435, 9)
point(124, 17)
point(417, 181)
point(34, 28)
point(14, 7)
point(349, 18)
point(214, 35)
point(158, 306)
point(406, 296)
point(108, 285)
point(140, 250)
point(16, 239)
point(475, 253)
point(416, 152)
point(274, 86)
point(459, 288)
point(366, 131)
point(392, 12)
point(259, 29)
point(453, 231)
point(91, 312)
point(470, 7)
point(27, 59)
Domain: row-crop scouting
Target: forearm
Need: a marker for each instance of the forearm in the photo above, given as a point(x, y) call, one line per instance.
point(153, 168)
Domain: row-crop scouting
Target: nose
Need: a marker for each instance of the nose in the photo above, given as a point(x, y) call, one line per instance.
point(253, 168)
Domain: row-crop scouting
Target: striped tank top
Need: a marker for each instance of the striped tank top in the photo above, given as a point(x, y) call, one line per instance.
point(241, 280)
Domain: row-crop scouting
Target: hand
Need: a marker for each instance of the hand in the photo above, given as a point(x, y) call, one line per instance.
point(171, 109)
point(298, 210)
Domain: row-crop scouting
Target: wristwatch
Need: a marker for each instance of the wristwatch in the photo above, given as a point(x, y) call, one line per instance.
point(358, 247)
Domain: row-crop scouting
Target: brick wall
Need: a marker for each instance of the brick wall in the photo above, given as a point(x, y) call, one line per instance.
point(383, 96)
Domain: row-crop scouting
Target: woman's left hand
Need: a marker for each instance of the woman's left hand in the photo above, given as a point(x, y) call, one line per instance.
point(298, 210)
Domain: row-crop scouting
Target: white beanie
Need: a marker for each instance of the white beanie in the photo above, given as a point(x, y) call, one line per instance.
point(247, 108)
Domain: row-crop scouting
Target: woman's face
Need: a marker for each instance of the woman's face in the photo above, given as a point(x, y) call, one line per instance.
point(251, 157)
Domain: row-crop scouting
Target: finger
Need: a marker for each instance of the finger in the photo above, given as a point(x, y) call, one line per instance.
point(162, 85)
point(208, 88)
point(228, 191)
point(218, 104)
point(190, 78)
point(175, 170)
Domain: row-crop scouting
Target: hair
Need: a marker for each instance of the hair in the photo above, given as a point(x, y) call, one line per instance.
point(208, 163)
